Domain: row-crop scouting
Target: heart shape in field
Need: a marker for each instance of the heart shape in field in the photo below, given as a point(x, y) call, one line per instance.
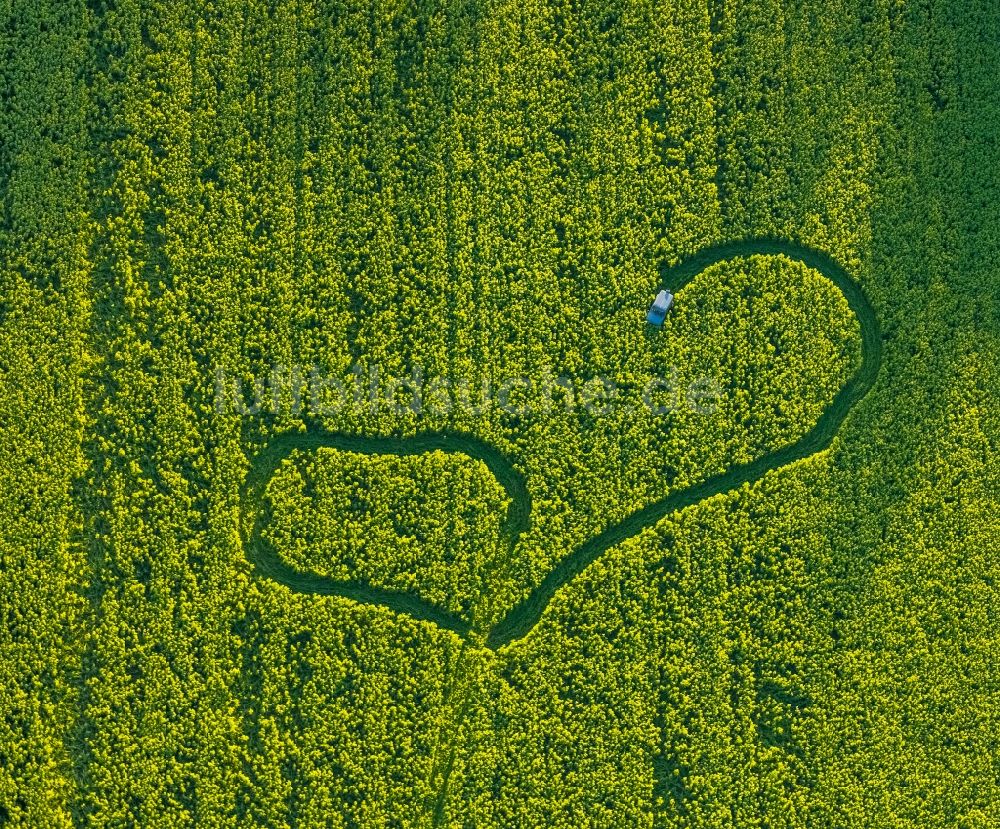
point(521, 618)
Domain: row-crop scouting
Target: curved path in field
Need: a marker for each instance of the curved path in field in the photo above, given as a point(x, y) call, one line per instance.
point(519, 621)
point(269, 563)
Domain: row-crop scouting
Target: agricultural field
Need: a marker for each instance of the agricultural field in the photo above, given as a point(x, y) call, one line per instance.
point(345, 483)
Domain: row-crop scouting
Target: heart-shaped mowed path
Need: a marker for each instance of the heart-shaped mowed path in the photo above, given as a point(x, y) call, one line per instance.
point(522, 618)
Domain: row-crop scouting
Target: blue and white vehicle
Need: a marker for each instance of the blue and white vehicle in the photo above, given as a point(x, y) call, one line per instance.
point(658, 310)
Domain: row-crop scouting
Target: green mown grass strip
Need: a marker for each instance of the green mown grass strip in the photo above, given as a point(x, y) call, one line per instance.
point(269, 563)
point(520, 620)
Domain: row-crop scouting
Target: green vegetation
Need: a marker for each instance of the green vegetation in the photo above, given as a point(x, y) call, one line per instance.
point(774, 609)
point(418, 590)
point(404, 523)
